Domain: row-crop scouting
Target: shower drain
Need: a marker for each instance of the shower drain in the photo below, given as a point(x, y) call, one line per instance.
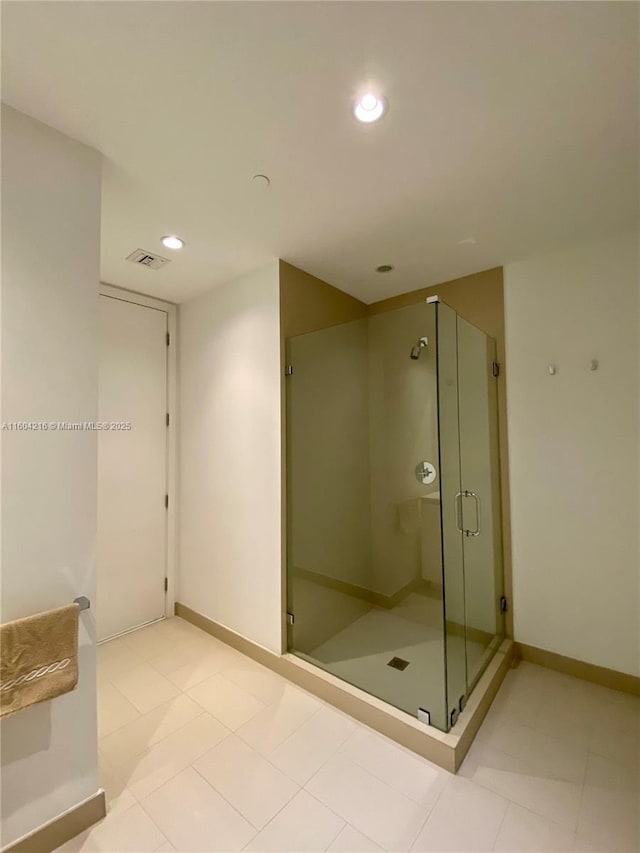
point(398, 663)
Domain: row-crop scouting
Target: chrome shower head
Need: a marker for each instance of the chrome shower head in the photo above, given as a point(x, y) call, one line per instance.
point(417, 349)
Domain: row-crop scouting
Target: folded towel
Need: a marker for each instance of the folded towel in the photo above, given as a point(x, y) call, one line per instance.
point(38, 658)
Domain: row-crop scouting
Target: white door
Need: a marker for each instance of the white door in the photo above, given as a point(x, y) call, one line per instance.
point(132, 466)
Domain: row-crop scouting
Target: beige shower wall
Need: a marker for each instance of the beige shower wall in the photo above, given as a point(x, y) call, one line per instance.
point(402, 430)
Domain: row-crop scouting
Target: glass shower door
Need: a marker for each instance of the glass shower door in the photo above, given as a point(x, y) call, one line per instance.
point(364, 563)
point(480, 501)
point(471, 524)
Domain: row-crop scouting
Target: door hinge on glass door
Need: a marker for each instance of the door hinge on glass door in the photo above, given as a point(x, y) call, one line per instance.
point(166, 584)
point(288, 370)
point(495, 369)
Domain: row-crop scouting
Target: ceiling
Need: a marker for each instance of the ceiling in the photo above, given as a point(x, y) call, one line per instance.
point(515, 124)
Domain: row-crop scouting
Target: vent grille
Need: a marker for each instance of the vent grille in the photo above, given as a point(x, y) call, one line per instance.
point(147, 259)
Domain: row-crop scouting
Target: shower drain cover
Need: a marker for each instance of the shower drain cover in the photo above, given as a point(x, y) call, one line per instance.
point(398, 663)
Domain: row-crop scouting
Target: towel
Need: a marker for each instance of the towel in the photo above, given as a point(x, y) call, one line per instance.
point(38, 658)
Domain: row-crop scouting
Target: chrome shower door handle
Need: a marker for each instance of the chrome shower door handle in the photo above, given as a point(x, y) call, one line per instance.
point(473, 495)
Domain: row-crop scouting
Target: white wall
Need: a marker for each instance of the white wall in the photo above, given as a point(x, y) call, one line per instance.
point(229, 528)
point(573, 450)
point(50, 257)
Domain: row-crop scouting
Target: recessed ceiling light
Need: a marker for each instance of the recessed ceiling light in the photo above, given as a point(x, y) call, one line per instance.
point(172, 242)
point(384, 268)
point(369, 108)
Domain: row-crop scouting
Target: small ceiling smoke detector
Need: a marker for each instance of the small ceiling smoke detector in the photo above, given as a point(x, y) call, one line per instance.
point(369, 108)
point(170, 241)
point(261, 181)
point(147, 259)
point(384, 268)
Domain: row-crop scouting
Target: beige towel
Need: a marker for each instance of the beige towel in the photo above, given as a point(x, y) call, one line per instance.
point(38, 658)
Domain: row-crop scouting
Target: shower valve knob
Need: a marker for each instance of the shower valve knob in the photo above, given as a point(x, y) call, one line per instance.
point(425, 473)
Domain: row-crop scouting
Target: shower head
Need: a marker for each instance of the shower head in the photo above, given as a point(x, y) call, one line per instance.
point(417, 349)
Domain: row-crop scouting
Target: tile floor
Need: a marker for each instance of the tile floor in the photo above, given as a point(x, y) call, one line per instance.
point(201, 749)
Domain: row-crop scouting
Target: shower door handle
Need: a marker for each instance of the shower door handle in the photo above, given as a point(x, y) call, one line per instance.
point(458, 510)
point(473, 495)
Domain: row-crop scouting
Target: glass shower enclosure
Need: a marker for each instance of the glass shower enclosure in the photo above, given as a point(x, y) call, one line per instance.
point(394, 547)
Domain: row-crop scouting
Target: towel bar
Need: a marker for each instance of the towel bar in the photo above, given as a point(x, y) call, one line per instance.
point(83, 602)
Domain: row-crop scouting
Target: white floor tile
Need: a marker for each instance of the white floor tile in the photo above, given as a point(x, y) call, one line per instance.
point(552, 757)
point(138, 735)
point(152, 641)
point(305, 751)
point(413, 776)
point(378, 811)
point(303, 826)
point(114, 710)
point(117, 796)
point(184, 651)
point(265, 685)
point(144, 773)
point(144, 687)
point(352, 841)
point(466, 817)
point(612, 775)
point(521, 783)
point(130, 831)
point(115, 656)
point(622, 746)
point(522, 831)
point(227, 702)
point(277, 722)
point(210, 662)
point(194, 817)
point(249, 782)
point(555, 763)
point(610, 812)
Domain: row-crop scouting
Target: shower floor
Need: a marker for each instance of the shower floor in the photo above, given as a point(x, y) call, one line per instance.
point(411, 631)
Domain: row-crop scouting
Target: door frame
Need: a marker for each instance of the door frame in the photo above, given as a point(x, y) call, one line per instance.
point(171, 310)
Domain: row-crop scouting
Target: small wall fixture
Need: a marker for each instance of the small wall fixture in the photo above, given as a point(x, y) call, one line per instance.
point(384, 268)
point(369, 108)
point(170, 241)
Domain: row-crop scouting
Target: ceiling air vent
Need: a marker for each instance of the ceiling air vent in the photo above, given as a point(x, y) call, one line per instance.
point(147, 259)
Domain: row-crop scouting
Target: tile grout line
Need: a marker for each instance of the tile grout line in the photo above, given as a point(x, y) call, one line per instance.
point(426, 820)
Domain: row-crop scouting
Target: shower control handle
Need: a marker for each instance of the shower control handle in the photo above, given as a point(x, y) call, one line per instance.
point(425, 473)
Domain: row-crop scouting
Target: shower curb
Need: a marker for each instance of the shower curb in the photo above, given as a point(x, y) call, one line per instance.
point(444, 749)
